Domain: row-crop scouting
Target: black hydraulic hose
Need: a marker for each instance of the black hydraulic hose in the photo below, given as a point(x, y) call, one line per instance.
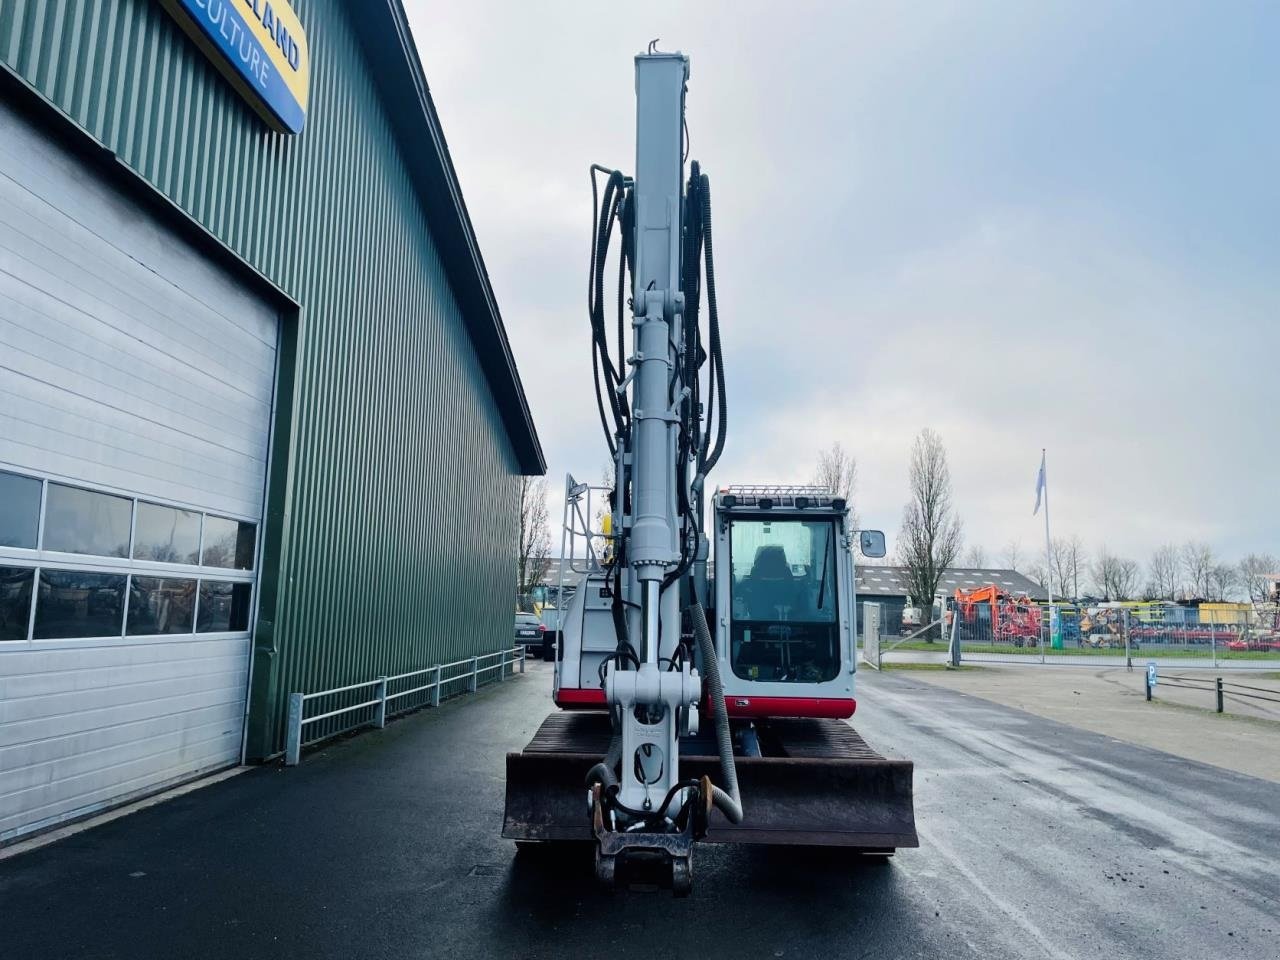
point(604, 211)
point(713, 325)
point(604, 418)
point(657, 815)
point(602, 772)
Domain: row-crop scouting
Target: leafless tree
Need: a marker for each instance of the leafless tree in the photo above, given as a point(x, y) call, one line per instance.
point(1127, 577)
point(535, 535)
point(1197, 568)
point(1257, 571)
point(929, 541)
point(837, 470)
point(1012, 554)
point(1069, 563)
point(1116, 577)
point(599, 542)
point(1163, 573)
point(1224, 581)
point(1039, 574)
point(975, 556)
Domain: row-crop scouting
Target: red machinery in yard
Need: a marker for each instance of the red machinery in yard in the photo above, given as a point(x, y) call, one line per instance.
point(1013, 619)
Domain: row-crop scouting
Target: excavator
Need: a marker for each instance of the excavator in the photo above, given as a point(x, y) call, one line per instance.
point(701, 697)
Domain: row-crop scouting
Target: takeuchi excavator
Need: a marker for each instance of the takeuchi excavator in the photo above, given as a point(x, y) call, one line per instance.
point(698, 701)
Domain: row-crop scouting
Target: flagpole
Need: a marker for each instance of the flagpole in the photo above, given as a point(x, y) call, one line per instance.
point(1048, 551)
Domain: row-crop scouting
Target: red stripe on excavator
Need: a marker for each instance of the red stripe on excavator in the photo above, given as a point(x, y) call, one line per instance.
point(572, 698)
point(829, 707)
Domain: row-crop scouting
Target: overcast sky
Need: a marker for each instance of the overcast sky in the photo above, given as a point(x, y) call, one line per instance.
point(1023, 225)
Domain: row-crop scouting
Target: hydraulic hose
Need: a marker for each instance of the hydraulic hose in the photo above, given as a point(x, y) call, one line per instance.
point(603, 771)
point(727, 800)
point(717, 359)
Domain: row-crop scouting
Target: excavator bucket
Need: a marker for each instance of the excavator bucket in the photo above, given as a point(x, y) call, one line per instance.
point(820, 786)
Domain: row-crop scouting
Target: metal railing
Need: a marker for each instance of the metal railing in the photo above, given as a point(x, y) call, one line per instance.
point(1216, 685)
point(380, 700)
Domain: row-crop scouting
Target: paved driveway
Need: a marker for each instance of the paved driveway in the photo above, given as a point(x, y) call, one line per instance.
point(1039, 840)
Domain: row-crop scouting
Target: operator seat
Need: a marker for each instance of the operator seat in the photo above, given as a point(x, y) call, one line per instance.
point(771, 587)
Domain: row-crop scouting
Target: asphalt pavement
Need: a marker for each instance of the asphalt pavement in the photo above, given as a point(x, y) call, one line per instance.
point(1038, 840)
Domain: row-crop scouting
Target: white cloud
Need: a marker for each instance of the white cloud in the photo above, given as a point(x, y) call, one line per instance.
point(924, 217)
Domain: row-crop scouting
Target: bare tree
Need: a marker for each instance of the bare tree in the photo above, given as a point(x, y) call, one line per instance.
point(929, 541)
point(1257, 572)
point(535, 535)
point(1012, 554)
point(1069, 562)
point(1224, 581)
point(837, 470)
point(975, 556)
point(1039, 574)
point(1197, 567)
point(1126, 578)
point(599, 542)
point(1117, 578)
point(1163, 573)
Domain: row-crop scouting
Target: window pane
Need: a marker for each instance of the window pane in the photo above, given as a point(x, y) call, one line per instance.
point(19, 511)
point(784, 620)
point(160, 605)
point(223, 606)
point(85, 521)
point(166, 535)
point(15, 602)
point(74, 604)
point(228, 543)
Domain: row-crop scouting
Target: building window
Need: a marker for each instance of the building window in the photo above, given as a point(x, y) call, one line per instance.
point(78, 604)
point(228, 543)
point(15, 602)
point(85, 521)
point(19, 511)
point(160, 605)
point(224, 606)
point(166, 535)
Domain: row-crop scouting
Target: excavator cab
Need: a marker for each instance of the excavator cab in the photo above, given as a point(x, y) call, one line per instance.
point(784, 575)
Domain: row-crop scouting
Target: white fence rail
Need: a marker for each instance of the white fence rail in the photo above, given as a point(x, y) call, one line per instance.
point(382, 702)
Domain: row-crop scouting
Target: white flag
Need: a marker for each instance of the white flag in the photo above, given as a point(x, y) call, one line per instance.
point(1040, 484)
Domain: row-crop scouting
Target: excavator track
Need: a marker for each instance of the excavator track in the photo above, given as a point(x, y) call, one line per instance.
point(821, 785)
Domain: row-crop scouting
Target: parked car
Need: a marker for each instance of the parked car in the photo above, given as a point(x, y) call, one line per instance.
point(531, 634)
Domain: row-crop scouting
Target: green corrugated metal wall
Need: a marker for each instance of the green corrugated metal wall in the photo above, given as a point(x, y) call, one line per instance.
point(398, 551)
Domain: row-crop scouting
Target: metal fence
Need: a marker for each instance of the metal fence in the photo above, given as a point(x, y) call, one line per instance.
point(871, 634)
point(1219, 689)
point(371, 702)
point(1020, 631)
point(1111, 633)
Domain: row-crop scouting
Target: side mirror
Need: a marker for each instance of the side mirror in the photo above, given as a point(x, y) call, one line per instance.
point(871, 542)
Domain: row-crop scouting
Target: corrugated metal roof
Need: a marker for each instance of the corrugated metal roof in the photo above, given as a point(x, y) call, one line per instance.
point(891, 581)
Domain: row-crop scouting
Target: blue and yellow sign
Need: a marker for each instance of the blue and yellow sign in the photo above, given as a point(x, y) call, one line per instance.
point(262, 49)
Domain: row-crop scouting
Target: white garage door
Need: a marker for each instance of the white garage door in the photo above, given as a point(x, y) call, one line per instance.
point(136, 389)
